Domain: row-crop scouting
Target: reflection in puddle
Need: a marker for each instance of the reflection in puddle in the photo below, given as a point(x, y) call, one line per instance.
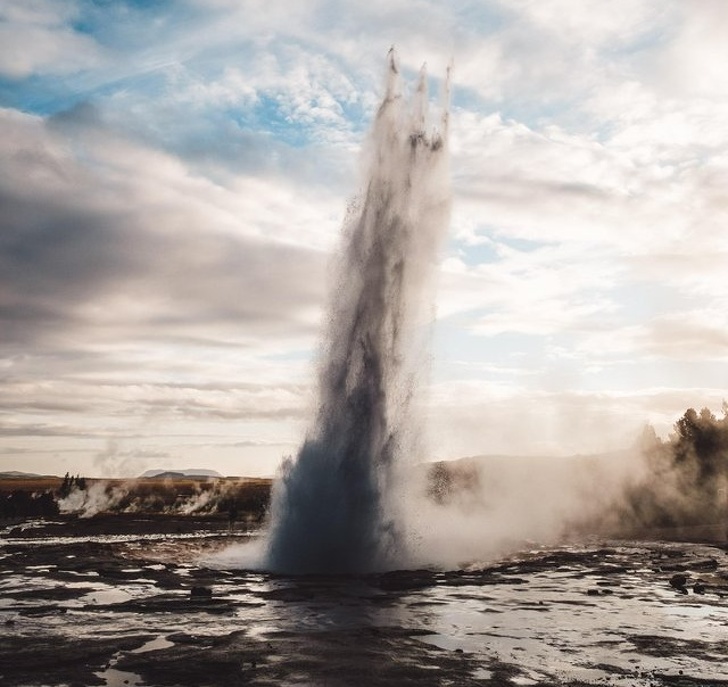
point(119, 678)
point(105, 596)
point(160, 642)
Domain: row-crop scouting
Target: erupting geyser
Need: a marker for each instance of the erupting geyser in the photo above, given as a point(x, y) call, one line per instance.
point(335, 507)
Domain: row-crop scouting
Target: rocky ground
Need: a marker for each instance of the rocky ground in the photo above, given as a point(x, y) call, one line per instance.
point(132, 601)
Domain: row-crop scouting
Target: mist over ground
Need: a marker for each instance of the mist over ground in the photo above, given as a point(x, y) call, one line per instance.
point(673, 488)
point(465, 510)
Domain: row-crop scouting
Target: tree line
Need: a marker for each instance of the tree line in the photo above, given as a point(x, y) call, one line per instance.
point(686, 481)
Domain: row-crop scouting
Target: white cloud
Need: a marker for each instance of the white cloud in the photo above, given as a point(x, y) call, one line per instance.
point(35, 38)
point(119, 261)
point(692, 63)
point(310, 89)
point(590, 22)
point(542, 291)
point(549, 185)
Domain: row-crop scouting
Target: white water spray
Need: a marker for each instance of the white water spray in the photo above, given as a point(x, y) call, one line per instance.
point(335, 507)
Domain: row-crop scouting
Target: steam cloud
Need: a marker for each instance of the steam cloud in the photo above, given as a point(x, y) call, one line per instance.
point(98, 498)
point(333, 507)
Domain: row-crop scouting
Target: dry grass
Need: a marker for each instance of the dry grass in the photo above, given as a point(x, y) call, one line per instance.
point(29, 484)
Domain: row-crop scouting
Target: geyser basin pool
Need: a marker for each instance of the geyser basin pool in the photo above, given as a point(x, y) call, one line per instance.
point(102, 611)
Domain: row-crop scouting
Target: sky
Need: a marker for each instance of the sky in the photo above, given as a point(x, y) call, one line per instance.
point(174, 176)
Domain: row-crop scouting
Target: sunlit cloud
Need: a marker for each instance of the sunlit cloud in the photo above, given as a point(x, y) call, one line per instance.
point(38, 37)
point(173, 184)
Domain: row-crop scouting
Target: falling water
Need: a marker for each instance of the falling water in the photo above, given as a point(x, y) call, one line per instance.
point(335, 507)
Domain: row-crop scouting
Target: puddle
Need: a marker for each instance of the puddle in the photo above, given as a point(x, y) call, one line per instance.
point(119, 678)
point(160, 642)
point(103, 597)
point(483, 674)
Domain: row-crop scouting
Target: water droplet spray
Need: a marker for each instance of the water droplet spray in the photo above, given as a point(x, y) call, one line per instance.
point(336, 506)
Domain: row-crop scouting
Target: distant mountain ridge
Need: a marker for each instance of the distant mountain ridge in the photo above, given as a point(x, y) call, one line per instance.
point(16, 474)
point(179, 474)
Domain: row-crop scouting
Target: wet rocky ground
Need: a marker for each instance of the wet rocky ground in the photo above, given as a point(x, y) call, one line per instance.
point(131, 601)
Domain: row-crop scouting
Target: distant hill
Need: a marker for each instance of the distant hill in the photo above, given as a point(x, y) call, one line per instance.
point(538, 467)
point(181, 474)
point(15, 474)
point(498, 460)
point(534, 481)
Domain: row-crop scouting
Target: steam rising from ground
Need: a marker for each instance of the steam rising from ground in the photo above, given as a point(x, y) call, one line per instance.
point(240, 499)
point(97, 498)
point(673, 489)
point(482, 507)
point(336, 507)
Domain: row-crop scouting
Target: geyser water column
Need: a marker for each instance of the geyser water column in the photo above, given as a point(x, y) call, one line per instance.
point(335, 507)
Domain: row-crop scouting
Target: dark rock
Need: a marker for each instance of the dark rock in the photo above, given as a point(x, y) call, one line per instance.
point(405, 580)
point(679, 581)
point(592, 592)
point(705, 564)
point(699, 588)
point(68, 660)
point(200, 592)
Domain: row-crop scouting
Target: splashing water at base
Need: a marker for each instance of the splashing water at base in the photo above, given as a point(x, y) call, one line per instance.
point(335, 506)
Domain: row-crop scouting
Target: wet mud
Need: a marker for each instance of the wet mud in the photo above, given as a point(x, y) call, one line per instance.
point(132, 602)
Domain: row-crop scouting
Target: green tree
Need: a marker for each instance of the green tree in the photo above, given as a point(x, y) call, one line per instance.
point(701, 440)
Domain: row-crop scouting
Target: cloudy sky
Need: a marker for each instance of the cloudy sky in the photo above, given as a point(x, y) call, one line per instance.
point(173, 177)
